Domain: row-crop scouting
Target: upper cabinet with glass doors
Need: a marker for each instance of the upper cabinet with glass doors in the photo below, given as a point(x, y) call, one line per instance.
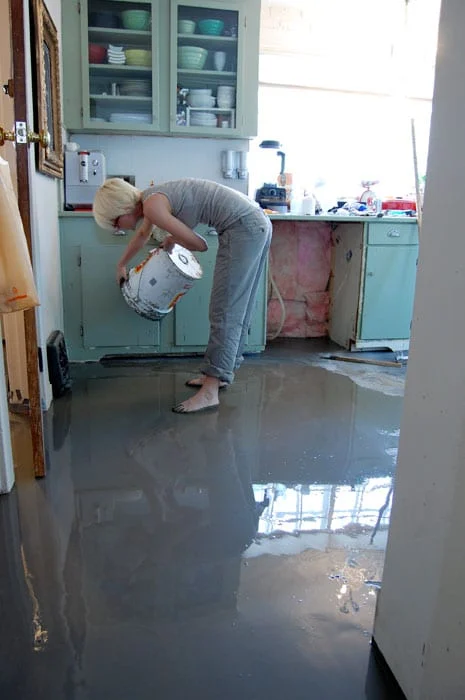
point(112, 78)
point(214, 67)
point(120, 75)
point(161, 66)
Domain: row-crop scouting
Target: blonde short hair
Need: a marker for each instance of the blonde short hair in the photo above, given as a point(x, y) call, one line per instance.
point(114, 198)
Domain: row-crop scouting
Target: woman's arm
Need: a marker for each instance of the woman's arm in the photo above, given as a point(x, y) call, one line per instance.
point(157, 211)
point(135, 244)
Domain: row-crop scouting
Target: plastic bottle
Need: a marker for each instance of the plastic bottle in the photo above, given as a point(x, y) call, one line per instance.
point(296, 201)
point(308, 204)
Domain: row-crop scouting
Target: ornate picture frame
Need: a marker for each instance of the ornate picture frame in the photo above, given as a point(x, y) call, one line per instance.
point(48, 91)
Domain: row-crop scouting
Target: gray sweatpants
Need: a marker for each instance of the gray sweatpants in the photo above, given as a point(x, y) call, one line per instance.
point(240, 261)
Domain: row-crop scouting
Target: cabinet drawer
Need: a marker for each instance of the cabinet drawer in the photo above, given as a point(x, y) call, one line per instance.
point(393, 234)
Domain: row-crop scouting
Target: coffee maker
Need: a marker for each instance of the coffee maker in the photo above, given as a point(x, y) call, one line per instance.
point(271, 195)
point(85, 171)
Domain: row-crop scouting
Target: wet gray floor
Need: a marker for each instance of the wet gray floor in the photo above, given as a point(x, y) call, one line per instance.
point(234, 555)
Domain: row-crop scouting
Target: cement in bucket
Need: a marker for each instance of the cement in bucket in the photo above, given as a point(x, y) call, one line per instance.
point(155, 285)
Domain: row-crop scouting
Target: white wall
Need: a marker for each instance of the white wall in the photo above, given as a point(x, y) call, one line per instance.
point(161, 158)
point(420, 622)
point(44, 222)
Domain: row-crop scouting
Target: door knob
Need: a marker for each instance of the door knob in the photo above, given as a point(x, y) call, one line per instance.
point(6, 136)
point(22, 135)
point(42, 138)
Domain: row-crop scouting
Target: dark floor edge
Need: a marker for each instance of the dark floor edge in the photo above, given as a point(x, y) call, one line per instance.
point(385, 670)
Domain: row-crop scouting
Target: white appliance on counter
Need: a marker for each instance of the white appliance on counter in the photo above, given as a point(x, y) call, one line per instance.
point(85, 171)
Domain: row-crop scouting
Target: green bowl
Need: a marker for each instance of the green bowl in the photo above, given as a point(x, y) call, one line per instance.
point(135, 19)
point(210, 26)
point(191, 57)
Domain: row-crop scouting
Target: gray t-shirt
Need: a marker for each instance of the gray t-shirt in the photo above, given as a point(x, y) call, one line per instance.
point(196, 201)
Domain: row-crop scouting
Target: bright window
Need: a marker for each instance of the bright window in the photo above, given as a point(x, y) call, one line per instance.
point(340, 95)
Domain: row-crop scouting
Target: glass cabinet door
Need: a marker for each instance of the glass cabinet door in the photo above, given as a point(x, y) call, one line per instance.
point(120, 65)
point(205, 60)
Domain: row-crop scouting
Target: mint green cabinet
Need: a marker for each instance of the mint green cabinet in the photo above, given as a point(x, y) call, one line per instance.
point(106, 322)
point(373, 284)
point(97, 320)
point(389, 286)
point(125, 74)
point(214, 49)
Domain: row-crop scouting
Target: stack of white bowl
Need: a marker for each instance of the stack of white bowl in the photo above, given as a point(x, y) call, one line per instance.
point(201, 98)
point(225, 96)
point(116, 55)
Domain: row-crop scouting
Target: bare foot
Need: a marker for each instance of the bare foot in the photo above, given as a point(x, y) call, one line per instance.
point(198, 382)
point(204, 400)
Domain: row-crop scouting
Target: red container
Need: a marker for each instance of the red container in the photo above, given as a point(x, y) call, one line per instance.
point(399, 204)
point(97, 53)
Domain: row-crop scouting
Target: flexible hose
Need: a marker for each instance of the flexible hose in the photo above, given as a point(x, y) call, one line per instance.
point(274, 287)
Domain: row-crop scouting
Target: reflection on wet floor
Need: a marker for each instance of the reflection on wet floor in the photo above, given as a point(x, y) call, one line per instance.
point(227, 555)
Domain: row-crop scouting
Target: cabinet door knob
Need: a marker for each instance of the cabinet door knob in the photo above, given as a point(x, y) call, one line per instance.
point(394, 234)
point(370, 274)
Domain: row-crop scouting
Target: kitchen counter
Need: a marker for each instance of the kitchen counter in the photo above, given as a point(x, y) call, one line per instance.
point(334, 218)
point(329, 218)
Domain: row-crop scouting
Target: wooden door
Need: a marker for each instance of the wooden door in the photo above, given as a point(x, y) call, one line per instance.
point(20, 329)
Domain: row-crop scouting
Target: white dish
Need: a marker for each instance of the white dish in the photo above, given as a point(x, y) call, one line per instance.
point(130, 117)
point(204, 115)
point(203, 122)
point(200, 91)
point(200, 101)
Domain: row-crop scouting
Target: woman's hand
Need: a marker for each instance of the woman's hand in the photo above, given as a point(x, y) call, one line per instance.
point(168, 243)
point(121, 274)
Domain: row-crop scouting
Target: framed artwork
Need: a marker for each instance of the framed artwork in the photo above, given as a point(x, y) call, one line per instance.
point(48, 93)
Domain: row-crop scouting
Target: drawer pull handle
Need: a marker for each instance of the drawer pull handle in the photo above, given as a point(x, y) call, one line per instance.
point(394, 234)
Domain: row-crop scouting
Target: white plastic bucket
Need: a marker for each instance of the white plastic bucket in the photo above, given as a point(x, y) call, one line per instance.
point(155, 285)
